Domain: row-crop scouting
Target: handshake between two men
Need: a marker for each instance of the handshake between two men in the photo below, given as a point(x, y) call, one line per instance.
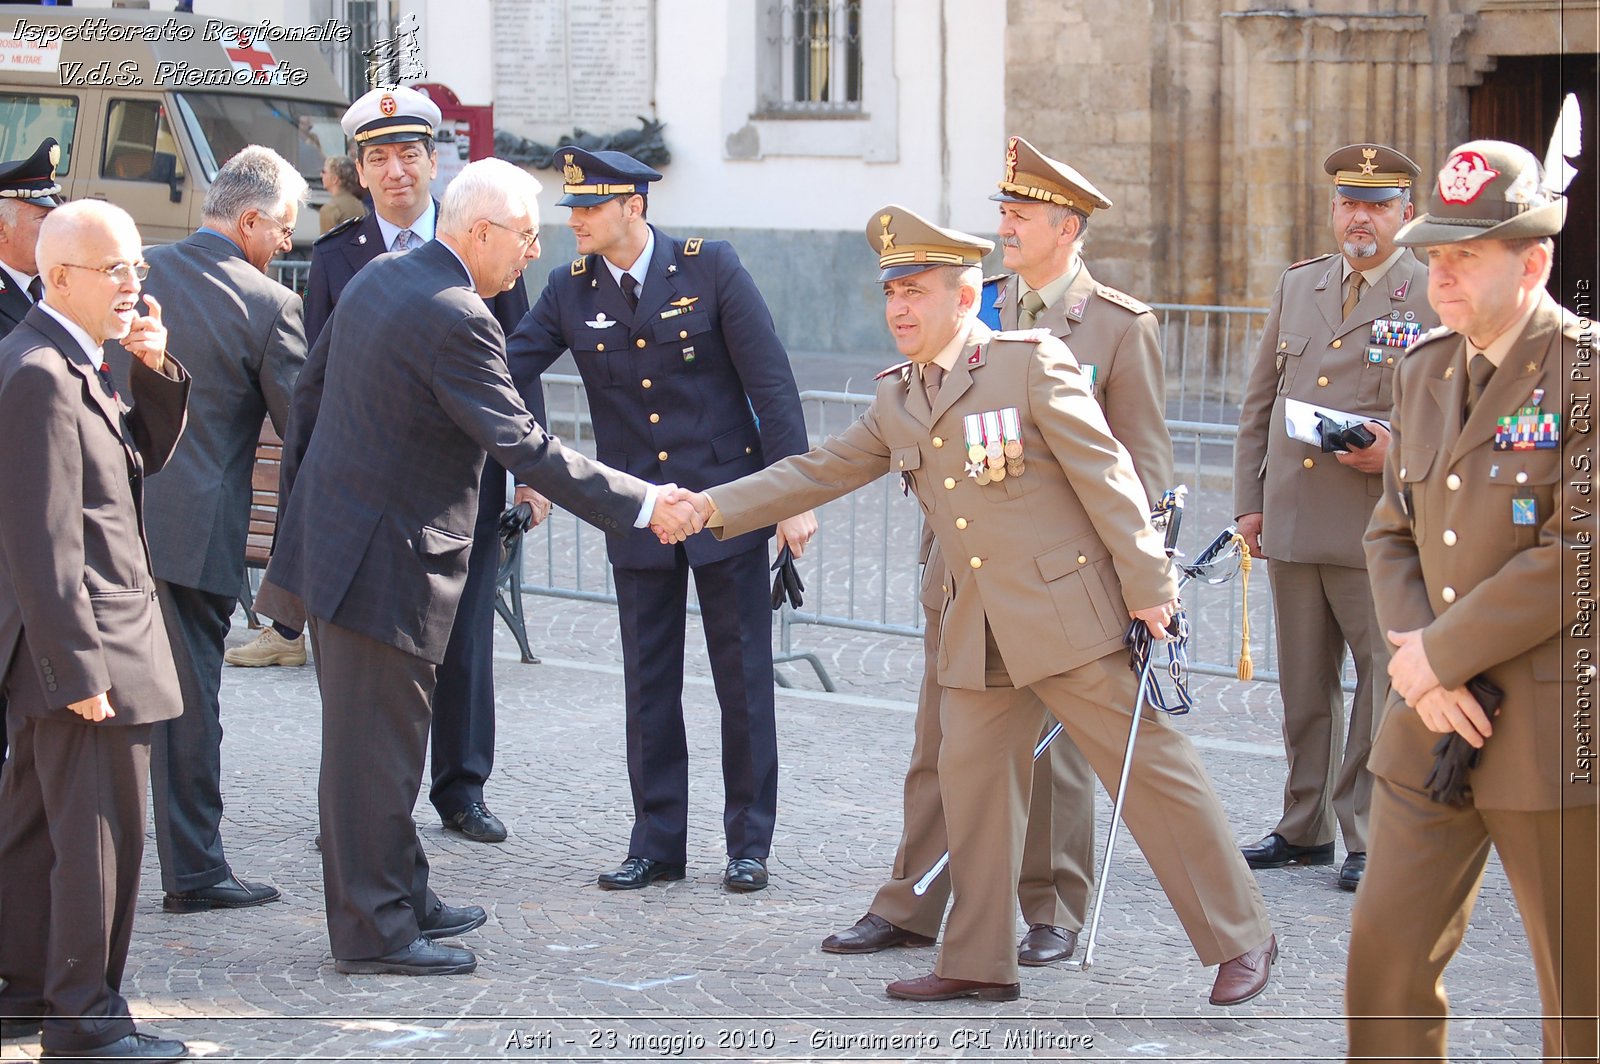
point(679, 513)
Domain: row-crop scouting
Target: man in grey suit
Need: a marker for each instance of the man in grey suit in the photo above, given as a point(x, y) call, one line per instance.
point(243, 342)
point(405, 390)
point(86, 666)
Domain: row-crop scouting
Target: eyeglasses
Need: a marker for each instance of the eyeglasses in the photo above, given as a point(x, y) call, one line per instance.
point(120, 272)
point(288, 230)
point(530, 237)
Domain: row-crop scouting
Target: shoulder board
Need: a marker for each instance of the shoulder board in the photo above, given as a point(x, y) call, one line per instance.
point(902, 367)
point(580, 265)
point(691, 246)
point(1438, 332)
point(1026, 336)
point(994, 279)
point(1121, 299)
point(1316, 258)
point(336, 230)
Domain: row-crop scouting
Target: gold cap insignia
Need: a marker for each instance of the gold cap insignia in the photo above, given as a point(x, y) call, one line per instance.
point(1011, 159)
point(887, 238)
point(55, 159)
point(1368, 160)
point(571, 173)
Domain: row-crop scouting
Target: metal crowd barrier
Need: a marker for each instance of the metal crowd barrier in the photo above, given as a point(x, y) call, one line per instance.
point(1209, 351)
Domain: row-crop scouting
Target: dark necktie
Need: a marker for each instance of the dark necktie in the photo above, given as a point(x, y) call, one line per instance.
point(630, 291)
point(932, 377)
point(36, 289)
point(1479, 370)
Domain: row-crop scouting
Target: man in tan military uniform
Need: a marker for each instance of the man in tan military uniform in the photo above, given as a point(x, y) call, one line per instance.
point(1018, 475)
point(1044, 210)
point(1338, 326)
point(1474, 551)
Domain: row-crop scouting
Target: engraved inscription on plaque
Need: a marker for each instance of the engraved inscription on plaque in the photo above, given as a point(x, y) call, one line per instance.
point(560, 64)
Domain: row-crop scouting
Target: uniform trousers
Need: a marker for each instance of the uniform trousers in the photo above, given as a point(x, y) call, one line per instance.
point(1058, 850)
point(375, 716)
point(1423, 874)
point(985, 774)
point(71, 839)
point(186, 751)
point(736, 613)
point(1321, 609)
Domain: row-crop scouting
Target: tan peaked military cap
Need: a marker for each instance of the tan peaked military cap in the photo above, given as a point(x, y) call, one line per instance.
point(1487, 190)
point(908, 244)
point(1033, 177)
point(1372, 173)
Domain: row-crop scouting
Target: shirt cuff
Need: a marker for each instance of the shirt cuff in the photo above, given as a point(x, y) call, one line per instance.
point(649, 507)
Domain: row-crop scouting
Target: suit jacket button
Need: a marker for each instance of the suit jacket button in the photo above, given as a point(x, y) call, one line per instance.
point(599, 347)
point(1448, 594)
point(44, 662)
point(50, 687)
point(961, 522)
point(1322, 382)
point(749, 450)
point(639, 342)
point(655, 418)
point(949, 482)
point(1308, 463)
point(683, 334)
point(1452, 482)
point(1082, 558)
point(938, 441)
point(976, 563)
point(1449, 537)
point(661, 456)
point(1338, 344)
point(645, 383)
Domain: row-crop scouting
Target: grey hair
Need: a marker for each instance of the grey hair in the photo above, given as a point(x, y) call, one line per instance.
point(490, 189)
point(64, 227)
point(343, 169)
point(257, 179)
point(1058, 213)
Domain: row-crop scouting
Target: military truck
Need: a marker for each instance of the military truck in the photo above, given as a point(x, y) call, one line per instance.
point(148, 105)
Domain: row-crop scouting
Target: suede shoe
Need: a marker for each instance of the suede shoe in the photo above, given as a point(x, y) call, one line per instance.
point(476, 823)
point(136, 1046)
point(636, 873)
point(421, 957)
point(1045, 944)
point(745, 874)
point(936, 988)
point(870, 934)
point(231, 893)
point(449, 921)
point(1274, 852)
point(1354, 867)
point(20, 1027)
point(268, 648)
point(1246, 975)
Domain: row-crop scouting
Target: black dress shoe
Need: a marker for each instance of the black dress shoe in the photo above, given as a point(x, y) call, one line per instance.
point(136, 1046)
point(639, 872)
point(231, 893)
point(745, 874)
point(448, 921)
point(1274, 852)
point(870, 934)
point(476, 823)
point(422, 957)
point(1046, 944)
point(1354, 867)
point(20, 1027)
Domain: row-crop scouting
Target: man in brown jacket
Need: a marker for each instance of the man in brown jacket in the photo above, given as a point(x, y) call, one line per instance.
point(1047, 529)
point(1338, 327)
point(1478, 552)
point(1044, 211)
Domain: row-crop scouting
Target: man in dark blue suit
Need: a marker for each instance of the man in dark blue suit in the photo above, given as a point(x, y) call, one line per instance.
point(393, 133)
point(689, 383)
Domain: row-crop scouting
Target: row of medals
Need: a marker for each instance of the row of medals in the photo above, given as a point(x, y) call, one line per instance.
point(999, 452)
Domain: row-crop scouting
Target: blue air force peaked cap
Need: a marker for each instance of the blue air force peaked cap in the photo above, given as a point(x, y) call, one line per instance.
point(589, 178)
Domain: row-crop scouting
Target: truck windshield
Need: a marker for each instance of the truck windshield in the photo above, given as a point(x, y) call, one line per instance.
point(27, 119)
point(302, 131)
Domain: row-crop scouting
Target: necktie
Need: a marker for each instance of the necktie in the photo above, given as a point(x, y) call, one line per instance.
point(1353, 296)
point(932, 377)
point(402, 241)
point(630, 290)
point(1479, 370)
point(36, 289)
point(1031, 307)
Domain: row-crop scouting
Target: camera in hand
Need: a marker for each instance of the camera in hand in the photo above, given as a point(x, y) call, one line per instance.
point(1354, 436)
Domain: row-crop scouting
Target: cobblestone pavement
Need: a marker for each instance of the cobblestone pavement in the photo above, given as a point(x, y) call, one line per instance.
point(686, 971)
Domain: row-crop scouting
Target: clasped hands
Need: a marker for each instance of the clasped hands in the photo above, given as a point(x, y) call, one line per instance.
point(680, 513)
point(1441, 709)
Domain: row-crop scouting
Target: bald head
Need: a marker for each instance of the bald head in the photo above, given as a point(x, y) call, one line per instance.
point(80, 246)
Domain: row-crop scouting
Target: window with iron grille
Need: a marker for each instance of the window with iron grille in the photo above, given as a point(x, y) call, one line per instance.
point(814, 51)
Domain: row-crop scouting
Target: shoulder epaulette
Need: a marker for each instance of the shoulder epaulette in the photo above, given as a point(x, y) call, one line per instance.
point(1026, 336)
point(1314, 258)
point(691, 246)
point(1121, 299)
point(994, 279)
point(901, 368)
point(336, 230)
point(580, 265)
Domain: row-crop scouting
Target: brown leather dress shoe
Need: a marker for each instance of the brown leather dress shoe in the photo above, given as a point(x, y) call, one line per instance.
point(1246, 975)
point(870, 934)
point(937, 988)
point(1046, 944)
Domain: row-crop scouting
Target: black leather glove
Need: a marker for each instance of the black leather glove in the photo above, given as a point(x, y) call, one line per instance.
point(514, 522)
point(1453, 757)
point(787, 584)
